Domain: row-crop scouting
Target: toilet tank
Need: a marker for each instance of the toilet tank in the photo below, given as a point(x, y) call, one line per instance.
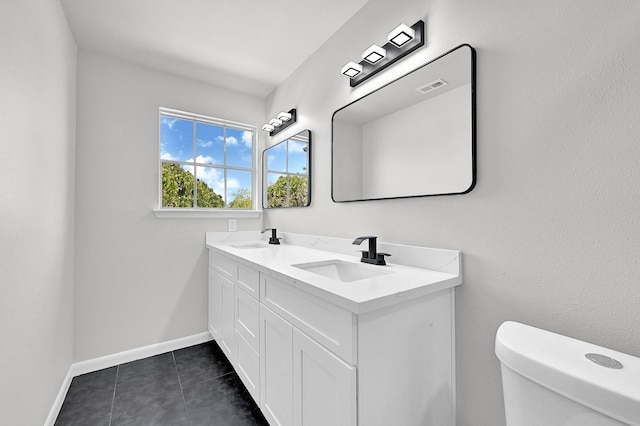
point(550, 380)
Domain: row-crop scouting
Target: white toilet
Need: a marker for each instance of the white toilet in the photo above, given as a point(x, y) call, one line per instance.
point(553, 380)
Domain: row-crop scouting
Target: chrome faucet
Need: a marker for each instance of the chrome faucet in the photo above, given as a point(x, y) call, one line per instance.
point(274, 236)
point(372, 256)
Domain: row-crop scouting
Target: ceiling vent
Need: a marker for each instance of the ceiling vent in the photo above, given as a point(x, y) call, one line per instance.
point(432, 86)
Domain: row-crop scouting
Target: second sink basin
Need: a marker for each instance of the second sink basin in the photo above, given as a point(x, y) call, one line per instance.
point(343, 271)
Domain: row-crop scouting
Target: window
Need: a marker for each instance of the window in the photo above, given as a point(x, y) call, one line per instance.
point(205, 163)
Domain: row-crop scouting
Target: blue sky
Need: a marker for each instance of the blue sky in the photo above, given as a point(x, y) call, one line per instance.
point(176, 143)
point(277, 158)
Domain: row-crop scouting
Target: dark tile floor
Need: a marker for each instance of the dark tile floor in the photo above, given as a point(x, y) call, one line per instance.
point(191, 386)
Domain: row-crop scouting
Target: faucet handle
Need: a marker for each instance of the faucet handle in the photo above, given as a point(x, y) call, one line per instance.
point(365, 253)
point(379, 260)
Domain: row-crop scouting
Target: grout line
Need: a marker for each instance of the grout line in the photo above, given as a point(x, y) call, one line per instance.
point(211, 379)
point(184, 401)
point(113, 398)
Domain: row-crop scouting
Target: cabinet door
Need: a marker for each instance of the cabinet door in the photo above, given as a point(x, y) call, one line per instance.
point(227, 341)
point(215, 305)
point(276, 375)
point(324, 387)
point(247, 366)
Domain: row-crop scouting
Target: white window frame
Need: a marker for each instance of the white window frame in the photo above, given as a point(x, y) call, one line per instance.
point(198, 212)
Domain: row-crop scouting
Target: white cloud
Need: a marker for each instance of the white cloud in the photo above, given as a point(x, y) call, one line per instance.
point(167, 156)
point(169, 121)
point(204, 144)
point(297, 147)
point(203, 159)
point(232, 183)
point(214, 178)
point(247, 138)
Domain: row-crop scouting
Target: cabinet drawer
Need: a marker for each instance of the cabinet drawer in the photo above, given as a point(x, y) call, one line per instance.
point(224, 265)
point(333, 327)
point(247, 318)
point(249, 281)
point(248, 366)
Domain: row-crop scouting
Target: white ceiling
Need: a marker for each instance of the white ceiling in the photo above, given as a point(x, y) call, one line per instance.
point(246, 45)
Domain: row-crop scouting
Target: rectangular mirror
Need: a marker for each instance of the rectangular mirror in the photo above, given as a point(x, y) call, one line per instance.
point(413, 137)
point(286, 179)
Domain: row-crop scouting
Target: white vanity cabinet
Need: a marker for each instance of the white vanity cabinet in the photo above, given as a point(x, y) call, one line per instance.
point(308, 361)
point(234, 316)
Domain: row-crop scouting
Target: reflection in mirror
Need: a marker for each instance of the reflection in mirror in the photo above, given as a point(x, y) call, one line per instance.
point(286, 172)
point(413, 137)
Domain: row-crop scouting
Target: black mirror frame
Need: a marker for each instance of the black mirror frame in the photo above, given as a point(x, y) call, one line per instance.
point(309, 169)
point(473, 130)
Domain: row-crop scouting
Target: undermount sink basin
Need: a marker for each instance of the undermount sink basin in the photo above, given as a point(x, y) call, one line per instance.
point(251, 245)
point(343, 271)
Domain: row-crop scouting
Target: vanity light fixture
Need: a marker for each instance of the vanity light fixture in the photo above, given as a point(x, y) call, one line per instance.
point(400, 35)
point(281, 122)
point(284, 116)
point(402, 40)
point(351, 69)
point(374, 54)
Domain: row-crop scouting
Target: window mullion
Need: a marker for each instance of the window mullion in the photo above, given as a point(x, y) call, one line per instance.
point(224, 196)
point(286, 168)
point(195, 169)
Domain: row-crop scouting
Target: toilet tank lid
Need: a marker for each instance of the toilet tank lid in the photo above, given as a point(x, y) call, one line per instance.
point(558, 362)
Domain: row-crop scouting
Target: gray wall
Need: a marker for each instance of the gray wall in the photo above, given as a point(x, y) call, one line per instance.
point(139, 279)
point(550, 234)
point(37, 136)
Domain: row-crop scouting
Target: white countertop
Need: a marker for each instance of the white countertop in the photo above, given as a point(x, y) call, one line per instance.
point(401, 284)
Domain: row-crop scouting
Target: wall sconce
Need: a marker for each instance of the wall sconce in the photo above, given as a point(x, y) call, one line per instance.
point(374, 54)
point(401, 41)
point(281, 122)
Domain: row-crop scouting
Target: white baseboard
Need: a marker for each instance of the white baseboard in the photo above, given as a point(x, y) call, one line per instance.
point(57, 404)
point(112, 360)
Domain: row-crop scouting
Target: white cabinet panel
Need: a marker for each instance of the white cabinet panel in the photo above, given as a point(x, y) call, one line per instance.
point(276, 375)
point(248, 366)
point(249, 281)
point(329, 324)
point(324, 387)
point(247, 317)
point(228, 319)
point(214, 309)
point(225, 266)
